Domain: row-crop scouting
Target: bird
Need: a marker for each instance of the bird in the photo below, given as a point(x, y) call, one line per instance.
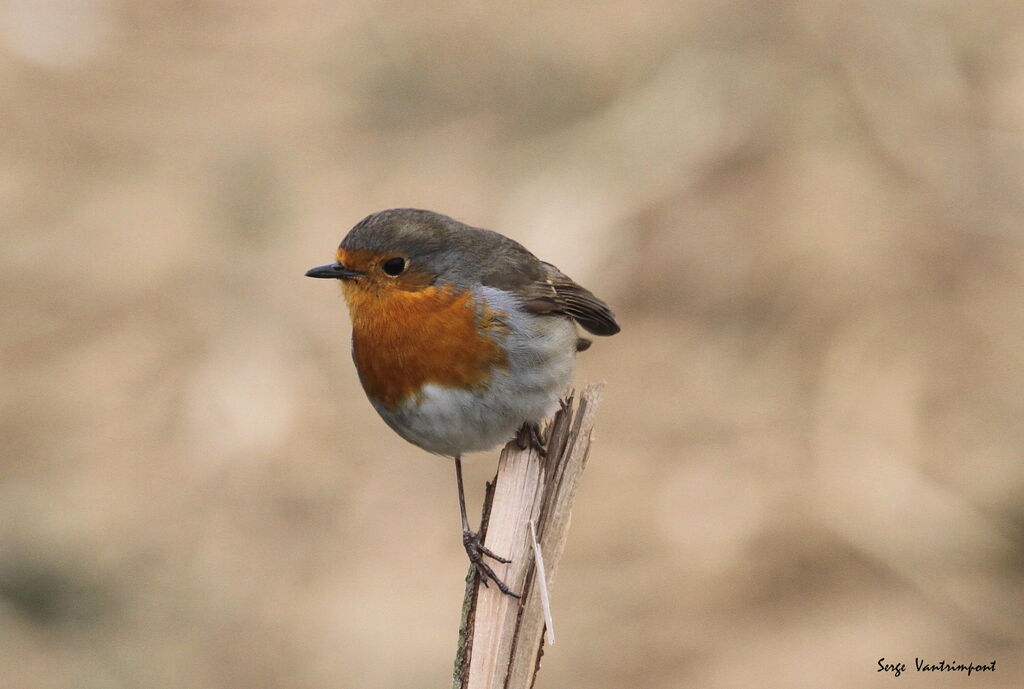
point(462, 339)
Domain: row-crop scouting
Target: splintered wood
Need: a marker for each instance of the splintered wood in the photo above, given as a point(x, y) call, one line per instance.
point(501, 639)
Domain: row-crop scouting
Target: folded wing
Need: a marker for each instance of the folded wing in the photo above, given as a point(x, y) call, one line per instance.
point(557, 293)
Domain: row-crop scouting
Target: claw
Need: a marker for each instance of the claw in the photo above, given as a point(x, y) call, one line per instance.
point(522, 440)
point(491, 555)
point(476, 551)
point(529, 435)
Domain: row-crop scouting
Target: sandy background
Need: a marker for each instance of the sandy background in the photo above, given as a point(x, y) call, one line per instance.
point(807, 216)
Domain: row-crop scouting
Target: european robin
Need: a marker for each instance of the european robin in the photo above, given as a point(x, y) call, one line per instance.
point(462, 338)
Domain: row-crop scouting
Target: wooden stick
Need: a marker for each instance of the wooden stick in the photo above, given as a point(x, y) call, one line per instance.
point(501, 639)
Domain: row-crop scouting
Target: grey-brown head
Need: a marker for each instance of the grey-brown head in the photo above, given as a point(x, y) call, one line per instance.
point(412, 249)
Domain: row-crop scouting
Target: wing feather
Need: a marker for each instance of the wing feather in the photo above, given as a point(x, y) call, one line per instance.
point(557, 293)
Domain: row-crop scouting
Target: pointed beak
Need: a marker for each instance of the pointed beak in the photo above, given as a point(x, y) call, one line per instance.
point(334, 271)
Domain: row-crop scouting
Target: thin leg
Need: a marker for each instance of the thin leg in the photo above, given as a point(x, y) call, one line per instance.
point(471, 542)
point(462, 492)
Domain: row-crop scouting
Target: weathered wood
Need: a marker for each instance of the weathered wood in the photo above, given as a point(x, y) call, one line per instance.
point(501, 638)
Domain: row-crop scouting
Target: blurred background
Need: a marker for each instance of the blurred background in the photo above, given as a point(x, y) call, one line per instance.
point(807, 216)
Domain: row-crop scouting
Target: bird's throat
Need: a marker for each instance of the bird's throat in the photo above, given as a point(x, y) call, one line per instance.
point(405, 340)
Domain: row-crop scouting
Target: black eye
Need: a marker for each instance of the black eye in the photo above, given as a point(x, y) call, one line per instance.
point(393, 266)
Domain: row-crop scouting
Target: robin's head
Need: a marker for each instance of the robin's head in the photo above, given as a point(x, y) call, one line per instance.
point(401, 249)
point(410, 250)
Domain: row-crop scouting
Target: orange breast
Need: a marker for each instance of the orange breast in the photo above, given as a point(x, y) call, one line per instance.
point(403, 340)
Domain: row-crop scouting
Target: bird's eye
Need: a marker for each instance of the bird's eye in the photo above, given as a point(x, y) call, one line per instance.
point(393, 266)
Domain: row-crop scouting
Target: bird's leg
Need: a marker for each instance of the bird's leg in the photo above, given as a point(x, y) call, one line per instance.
point(475, 549)
point(529, 435)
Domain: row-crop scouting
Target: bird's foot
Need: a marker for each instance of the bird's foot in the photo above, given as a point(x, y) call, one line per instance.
point(476, 551)
point(529, 435)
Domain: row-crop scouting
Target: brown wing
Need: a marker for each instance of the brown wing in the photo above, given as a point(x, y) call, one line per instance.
point(557, 293)
point(546, 289)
